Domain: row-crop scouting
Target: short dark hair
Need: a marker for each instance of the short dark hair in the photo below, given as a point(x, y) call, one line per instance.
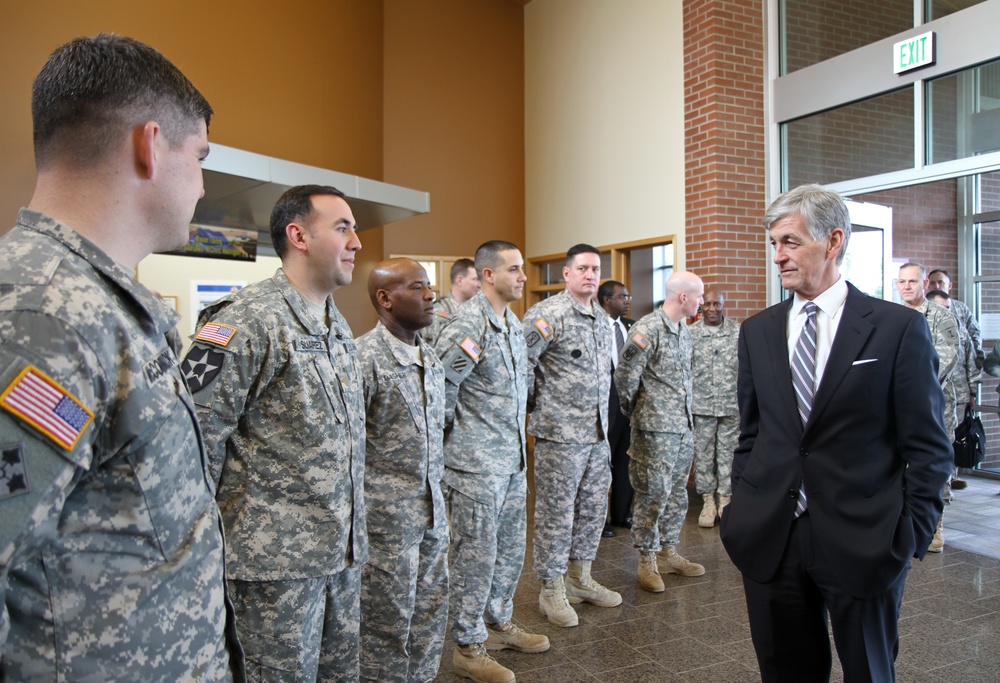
point(580, 249)
point(92, 90)
point(939, 270)
point(460, 267)
point(295, 205)
point(607, 290)
point(937, 294)
point(488, 254)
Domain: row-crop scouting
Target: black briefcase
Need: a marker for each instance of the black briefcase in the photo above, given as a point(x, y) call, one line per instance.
point(970, 441)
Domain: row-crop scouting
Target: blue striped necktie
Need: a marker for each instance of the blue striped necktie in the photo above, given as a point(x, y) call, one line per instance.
point(804, 379)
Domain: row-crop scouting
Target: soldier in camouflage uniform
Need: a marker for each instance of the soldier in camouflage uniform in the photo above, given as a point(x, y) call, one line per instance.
point(569, 342)
point(404, 586)
point(714, 366)
point(655, 388)
point(464, 286)
point(482, 350)
point(963, 385)
point(274, 373)
point(912, 283)
point(111, 548)
point(939, 279)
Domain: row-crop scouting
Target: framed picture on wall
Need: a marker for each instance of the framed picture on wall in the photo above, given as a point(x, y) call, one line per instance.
point(170, 300)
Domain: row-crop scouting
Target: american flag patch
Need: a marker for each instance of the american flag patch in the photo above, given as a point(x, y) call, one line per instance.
point(41, 402)
point(471, 348)
point(543, 326)
point(216, 333)
point(640, 341)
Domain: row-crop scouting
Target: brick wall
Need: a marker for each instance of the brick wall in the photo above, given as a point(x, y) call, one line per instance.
point(724, 149)
point(821, 29)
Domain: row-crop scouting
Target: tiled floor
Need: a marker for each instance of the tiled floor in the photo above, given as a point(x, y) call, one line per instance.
point(696, 631)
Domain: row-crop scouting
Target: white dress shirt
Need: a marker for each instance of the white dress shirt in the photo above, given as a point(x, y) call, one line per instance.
point(831, 306)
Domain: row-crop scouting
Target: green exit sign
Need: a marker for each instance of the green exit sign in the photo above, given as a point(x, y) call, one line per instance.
point(913, 53)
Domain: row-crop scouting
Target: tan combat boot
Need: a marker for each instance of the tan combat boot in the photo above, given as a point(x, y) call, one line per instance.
point(581, 587)
point(552, 601)
point(669, 562)
point(706, 519)
point(723, 502)
point(937, 543)
point(649, 575)
point(508, 636)
point(472, 661)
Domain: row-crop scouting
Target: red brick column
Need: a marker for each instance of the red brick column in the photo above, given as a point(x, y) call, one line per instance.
point(724, 149)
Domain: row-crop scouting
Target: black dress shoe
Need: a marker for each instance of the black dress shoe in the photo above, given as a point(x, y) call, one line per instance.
point(608, 532)
point(627, 524)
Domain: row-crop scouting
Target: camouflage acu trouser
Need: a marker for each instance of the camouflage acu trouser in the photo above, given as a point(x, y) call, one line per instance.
point(571, 503)
point(488, 527)
point(714, 442)
point(659, 472)
point(300, 630)
point(404, 610)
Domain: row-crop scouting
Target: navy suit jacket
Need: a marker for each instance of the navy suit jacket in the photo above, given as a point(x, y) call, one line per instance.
point(873, 457)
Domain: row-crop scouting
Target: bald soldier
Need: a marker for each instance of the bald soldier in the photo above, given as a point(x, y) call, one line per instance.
point(404, 586)
point(654, 384)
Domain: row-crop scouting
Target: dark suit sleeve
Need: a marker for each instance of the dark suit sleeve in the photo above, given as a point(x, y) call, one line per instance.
point(749, 411)
point(921, 441)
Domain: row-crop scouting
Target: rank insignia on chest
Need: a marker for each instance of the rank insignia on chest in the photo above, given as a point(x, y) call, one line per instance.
point(543, 326)
point(443, 314)
point(216, 333)
point(44, 404)
point(471, 348)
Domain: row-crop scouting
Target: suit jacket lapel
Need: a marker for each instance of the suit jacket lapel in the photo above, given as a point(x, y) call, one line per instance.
point(777, 346)
point(852, 333)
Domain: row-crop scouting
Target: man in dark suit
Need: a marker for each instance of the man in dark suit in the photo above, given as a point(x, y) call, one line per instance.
point(614, 298)
point(841, 457)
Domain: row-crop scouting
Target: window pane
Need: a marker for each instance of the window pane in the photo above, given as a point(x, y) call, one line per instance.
point(942, 8)
point(963, 114)
point(815, 30)
point(854, 141)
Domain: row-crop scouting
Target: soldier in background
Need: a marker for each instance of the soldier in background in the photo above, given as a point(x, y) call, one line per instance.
point(274, 373)
point(938, 279)
point(714, 366)
point(464, 286)
point(911, 284)
point(482, 350)
point(654, 384)
point(963, 385)
point(111, 548)
point(404, 586)
point(569, 342)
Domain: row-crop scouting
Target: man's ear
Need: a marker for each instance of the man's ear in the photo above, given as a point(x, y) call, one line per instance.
point(296, 234)
point(145, 139)
point(384, 299)
point(836, 242)
point(487, 275)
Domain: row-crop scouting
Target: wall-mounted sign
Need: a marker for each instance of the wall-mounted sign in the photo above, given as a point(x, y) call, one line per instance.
point(913, 53)
point(211, 241)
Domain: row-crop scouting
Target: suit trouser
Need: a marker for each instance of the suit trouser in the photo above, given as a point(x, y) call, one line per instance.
point(488, 535)
point(620, 505)
point(788, 620)
point(571, 503)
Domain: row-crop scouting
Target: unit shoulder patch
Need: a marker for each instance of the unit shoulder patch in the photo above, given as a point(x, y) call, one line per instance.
point(201, 366)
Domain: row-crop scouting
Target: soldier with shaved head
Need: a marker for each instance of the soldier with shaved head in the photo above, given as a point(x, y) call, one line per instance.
point(404, 586)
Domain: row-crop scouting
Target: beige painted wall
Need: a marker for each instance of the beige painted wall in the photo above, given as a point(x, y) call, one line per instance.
point(604, 122)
